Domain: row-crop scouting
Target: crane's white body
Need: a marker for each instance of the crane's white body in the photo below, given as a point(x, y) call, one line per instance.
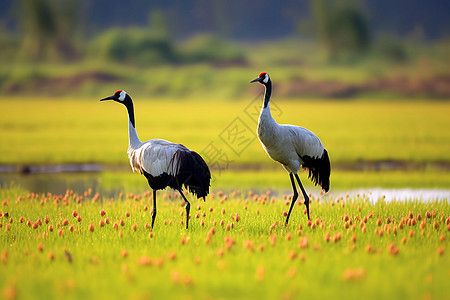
point(287, 144)
point(155, 156)
point(293, 147)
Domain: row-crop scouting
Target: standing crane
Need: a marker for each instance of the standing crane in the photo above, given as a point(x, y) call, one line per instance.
point(293, 147)
point(163, 163)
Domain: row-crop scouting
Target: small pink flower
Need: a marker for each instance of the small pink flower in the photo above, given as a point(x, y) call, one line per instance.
point(304, 242)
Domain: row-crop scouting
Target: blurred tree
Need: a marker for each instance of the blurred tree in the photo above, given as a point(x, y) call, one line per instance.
point(158, 24)
point(391, 48)
point(342, 27)
point(49, 29)
point(39, 27)
point(217, 16)
point(136, 45)
point(213, 49)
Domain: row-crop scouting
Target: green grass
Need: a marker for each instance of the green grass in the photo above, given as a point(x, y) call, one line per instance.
point(256, 258)
point(76, 131)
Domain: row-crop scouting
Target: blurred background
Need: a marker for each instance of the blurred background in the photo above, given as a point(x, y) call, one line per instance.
point(315, 48)
point(370, 77)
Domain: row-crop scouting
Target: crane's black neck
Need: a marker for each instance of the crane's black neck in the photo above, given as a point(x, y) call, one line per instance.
point(129, 105)
point(268, 93)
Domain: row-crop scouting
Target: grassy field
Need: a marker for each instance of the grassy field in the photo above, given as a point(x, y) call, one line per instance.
point(236, 248)
point(84, 245)
point(86, 130)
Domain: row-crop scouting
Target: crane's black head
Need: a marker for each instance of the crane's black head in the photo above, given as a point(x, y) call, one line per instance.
point(121, 97)
point(263, 78)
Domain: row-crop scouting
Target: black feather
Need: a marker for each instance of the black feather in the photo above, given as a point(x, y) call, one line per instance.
point(319, 169)
point(193, 173)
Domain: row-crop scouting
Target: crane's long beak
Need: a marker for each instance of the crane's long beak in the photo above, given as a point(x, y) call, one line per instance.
point(107, 98)
point(255, 80)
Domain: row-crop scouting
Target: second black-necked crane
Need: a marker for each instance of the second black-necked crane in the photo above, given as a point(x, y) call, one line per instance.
point(293, 147)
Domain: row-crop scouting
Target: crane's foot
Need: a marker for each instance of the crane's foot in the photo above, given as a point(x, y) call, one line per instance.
point(188, 208)
point(153, 218)
point(307, 207)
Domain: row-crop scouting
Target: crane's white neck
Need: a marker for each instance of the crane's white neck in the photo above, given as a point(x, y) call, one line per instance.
point(134, 141)
point(266, 122)
point(265, 114)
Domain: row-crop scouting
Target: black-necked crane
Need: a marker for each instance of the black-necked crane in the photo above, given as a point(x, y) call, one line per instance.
point(293, 147)
point(163, 163)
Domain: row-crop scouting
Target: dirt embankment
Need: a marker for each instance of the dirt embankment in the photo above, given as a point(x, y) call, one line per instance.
point(435, 87)
point(59, 85)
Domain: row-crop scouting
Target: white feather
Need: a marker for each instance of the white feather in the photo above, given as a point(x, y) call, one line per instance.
point(287, 143)
point(155, 157)
point(122, 96)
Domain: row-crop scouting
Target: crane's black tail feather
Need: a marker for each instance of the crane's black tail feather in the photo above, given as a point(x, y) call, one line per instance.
point(319, 169)
point(193, 173)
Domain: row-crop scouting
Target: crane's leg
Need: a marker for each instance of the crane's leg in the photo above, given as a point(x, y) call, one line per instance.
point(154, 208)
point(294, 198)
point(304, 195)
point(188, 207)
